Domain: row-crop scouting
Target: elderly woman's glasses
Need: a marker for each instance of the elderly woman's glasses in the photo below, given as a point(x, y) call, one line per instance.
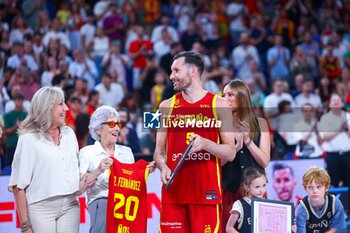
point(112, 124)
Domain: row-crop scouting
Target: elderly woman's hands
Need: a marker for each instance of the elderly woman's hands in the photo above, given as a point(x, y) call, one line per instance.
point(104, 165)
point(86, 181)
point(151, 166)
point(89, 179)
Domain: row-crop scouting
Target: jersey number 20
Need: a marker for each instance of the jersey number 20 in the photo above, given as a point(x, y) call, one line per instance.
point(120, 202)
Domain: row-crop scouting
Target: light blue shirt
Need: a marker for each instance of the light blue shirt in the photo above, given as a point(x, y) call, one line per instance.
point(280, 68)
point(337, 222)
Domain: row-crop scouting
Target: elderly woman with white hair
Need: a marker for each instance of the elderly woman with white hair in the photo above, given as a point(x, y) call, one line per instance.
point(95, 159)
point(45, 173)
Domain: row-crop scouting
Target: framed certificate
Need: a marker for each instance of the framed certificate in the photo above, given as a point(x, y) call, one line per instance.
point(272, 216)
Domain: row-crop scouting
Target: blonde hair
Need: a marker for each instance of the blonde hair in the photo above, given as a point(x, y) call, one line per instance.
point(318, 175)
point(39, 116)
point(244, 102)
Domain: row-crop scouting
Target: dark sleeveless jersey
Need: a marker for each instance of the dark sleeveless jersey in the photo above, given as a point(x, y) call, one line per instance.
point(232, 171)
point(319, 223)
point(199, 179)
point(245, 225)
point(127, 197)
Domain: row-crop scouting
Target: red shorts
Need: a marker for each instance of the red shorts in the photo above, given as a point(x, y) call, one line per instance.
point(186, 218)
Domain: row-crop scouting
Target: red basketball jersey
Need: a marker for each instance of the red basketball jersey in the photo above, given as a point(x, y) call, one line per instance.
point(127, 197)
point(199, 179)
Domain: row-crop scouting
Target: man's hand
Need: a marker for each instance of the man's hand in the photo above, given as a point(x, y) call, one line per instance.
point(199, 143)
point(165, 174)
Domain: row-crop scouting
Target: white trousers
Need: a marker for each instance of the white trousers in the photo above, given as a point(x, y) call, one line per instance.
point(59, 214)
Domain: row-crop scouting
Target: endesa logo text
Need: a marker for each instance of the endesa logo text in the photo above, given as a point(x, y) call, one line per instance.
point(192, 156)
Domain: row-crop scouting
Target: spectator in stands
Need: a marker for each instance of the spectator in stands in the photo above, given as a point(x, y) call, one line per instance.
point(306, 134)
point(310, 47)
point(51, 50)
point(115, 62)
point(236, 11)
point(190, 36)
point(271, 101)
point(93, 102)
point(301, 63)
point(257, 77)
point(75, 22)
point(101, 11)
point(284, 183)
point(138, 51)
point(284, 26)
point(50, 73)
point(325, 90)
point(206, 21)
point(223, 56)
point(82, 128)
point(75, 106)
point(31, 11)
point(21, 60)
point(87, 31)
point(334, 132)
point(12, 121)
point(278, 58)
point(163, 45)
point(148, 142)
point(346, 58)
point(113, 25)
point(111, 93)
point(151, 14)
point(147, 77)
point(63, 78)
point(258, 96)
point(157, 89)
point(330, 64)
point(25, 84)
point(261, 37)
point(183, 12)
point(284, 132)
point(343, 86)
point(55, 33)
point(199, 48)
point(63, 54)
point(157, 31)
point(128, 135)
point(97, 48)
point(19, 29)
point(242, 55)
point(63, 13)
point(81, 90)
point(5, 45)
point(308, 96)
point(4, 97)
point(44, 23)
point(82, 67)
point(38, 47)
point(298, 85)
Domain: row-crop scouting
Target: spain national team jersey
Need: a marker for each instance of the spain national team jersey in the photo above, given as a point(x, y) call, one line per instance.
point(199, 179)
point(127, 197)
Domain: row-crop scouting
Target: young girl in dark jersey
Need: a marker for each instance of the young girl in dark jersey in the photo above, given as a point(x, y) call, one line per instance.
point(254, 186)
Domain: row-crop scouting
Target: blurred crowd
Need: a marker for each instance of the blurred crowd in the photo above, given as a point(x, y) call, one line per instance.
point(294, 56)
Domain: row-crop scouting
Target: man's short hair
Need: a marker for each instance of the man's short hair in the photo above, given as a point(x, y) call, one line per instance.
point(280, 166)
point(192, 58)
